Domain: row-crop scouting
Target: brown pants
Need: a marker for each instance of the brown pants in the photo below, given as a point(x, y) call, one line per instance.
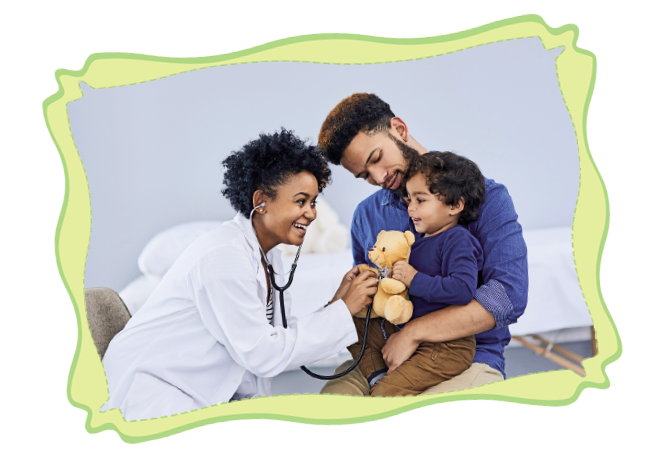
point(431, 364)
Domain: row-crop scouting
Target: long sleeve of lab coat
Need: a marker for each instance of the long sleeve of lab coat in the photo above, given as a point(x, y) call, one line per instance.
point(226, 288)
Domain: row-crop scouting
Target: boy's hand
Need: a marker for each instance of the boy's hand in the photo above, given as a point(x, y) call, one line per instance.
point(404, 272)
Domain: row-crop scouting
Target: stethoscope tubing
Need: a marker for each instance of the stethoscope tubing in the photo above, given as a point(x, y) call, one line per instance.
point(281, 290)
point(285, 325)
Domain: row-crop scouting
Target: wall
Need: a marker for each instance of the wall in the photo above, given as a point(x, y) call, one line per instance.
point(152, 151)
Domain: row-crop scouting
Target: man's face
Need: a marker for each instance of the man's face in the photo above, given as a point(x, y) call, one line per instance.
point(379, 158)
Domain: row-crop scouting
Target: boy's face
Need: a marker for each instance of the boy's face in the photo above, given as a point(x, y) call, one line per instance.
point(429, 213)
point(378, 158)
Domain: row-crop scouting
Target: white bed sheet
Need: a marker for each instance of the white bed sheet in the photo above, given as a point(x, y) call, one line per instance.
point(555, 304)
point(555, 300)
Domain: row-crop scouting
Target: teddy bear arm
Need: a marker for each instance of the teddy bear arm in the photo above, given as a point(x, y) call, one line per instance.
point(392, 286)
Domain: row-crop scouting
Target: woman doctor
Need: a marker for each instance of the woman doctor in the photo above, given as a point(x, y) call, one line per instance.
point(212, 331)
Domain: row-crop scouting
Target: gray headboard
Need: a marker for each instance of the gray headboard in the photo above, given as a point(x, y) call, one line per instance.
point(152, 151)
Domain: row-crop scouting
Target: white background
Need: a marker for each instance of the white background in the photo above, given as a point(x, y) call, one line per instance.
point(38, 335)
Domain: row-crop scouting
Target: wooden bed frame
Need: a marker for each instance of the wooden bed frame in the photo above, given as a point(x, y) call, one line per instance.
point(559, 355)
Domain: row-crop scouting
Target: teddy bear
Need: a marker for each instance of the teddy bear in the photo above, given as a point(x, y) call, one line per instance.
point(391, 299)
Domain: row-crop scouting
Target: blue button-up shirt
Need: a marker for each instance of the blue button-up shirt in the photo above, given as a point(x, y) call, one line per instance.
point(504, 273)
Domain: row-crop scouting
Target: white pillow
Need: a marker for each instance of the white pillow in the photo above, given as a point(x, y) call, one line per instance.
point(164, 248)
point(137, 292)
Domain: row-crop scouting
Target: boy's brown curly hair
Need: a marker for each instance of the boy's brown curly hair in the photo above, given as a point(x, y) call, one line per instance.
point(452, 177)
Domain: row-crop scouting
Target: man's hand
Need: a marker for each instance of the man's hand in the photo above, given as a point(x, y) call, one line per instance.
point(404, 272)
point(398, 348)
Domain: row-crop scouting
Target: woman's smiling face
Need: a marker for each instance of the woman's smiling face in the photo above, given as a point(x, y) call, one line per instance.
point(286, 218)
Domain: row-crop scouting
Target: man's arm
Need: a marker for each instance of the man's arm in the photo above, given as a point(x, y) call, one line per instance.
point(505, 288)
point(452, 322)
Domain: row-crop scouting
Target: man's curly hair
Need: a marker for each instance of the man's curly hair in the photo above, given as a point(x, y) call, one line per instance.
point(268, 162)
point(360, 112)
point(451, 177)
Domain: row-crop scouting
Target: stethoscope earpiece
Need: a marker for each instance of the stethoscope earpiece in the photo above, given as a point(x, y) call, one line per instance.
point(255, 208)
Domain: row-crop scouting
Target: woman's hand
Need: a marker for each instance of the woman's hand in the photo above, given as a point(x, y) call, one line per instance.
point(360, 291)
point(345, 283)
point(404, 272)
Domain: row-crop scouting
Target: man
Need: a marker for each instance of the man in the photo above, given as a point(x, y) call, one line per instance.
point(363, 135)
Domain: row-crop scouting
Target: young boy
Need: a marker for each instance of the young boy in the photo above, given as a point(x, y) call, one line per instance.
point(444, 193)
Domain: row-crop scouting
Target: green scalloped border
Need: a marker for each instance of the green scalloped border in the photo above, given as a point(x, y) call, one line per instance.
point(576, 73)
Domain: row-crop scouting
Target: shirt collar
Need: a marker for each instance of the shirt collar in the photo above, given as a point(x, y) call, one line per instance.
point(391, 198)
point(251, 237)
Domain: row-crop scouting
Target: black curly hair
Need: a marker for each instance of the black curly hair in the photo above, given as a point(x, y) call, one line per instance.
point(452, 177)
point(268, 162)
point(360, 112)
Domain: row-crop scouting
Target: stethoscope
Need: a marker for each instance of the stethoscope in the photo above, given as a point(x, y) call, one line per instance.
point(281, 289)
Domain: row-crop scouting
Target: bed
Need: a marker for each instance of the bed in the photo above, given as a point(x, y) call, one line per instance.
point(556, 311)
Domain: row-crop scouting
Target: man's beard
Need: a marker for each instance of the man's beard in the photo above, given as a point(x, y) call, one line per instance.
point(408, 154)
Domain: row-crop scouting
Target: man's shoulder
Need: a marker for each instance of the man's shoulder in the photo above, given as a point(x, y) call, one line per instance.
point(496, 211)
point(491, 184)
point(496, 194)
point(493, 188)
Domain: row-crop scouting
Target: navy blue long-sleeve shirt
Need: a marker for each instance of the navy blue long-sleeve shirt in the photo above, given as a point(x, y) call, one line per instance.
point(447, 266)
point(504, 271)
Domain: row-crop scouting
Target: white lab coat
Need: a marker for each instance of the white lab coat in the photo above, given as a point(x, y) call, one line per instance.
point(203, 334)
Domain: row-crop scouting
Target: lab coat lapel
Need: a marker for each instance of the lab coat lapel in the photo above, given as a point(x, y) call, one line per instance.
point(274, 257)
point(248, 232)
point(251, 239)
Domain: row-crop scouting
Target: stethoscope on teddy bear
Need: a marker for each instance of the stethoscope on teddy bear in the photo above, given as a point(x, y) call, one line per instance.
point(281, 289)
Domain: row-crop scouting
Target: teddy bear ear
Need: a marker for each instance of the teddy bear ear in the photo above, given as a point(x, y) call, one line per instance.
point(380, 234)
point(410, 238)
